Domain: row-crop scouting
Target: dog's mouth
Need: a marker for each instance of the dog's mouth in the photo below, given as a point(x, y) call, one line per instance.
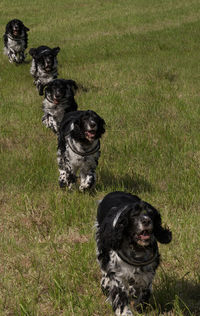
point(144, 237)
point(15, 32)
point(56, 100)
point(47, 68)
point(90, 135)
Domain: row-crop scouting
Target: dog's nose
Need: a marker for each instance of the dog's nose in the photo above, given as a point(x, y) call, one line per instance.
point(146, 220)
point(92, 124)
point(58, 94)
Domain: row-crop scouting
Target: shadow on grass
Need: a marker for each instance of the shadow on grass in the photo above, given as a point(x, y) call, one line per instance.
point(178, 295)
point(132, 183)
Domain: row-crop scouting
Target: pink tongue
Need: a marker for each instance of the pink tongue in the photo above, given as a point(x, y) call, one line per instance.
point(91, 134)
point(144, 237)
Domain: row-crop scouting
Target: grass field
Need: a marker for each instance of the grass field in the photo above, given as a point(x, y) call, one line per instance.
point(138, 60)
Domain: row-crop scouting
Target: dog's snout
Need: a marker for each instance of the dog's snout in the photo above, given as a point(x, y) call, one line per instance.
point(49, 60)
point(146, 221)
point(58, 93)
point(92, 124)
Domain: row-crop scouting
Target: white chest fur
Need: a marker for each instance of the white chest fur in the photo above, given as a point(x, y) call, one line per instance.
point(17, 45)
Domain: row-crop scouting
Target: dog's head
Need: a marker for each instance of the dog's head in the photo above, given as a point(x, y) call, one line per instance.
point(60, 89)
point(45, 57)
point(140, 224)
point(16, 28)
point(134, 224)
point(88, 127)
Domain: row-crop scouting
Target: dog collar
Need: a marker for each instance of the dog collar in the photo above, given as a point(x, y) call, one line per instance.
point(83, 154)
point(137, 263)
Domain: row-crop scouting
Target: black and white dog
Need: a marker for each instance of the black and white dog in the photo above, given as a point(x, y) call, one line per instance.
point(128, 230)
point(15, 41)
point(59, 100)
point(79, 148)
point(44, 65)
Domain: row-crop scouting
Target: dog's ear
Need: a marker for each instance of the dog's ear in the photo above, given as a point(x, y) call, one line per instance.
point(120, 224)
point(55, 51)
point(107, 237)
point(41, 90)
point(45, 89)
point(33, 52)
point(26, 29)
point(72, 126)
point(8, 27)
point(101, 126)
point(72, 84)
point(162, 234)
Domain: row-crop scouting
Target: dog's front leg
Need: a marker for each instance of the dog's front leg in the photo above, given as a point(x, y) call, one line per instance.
point(11, 55)
point(114, 289)
point(119, 300)
point(50, 122)
point(88, 173)
point(88, 180)
point(67, 176)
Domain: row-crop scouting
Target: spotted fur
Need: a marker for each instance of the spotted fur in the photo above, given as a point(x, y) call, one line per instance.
point(79, 148)
point(44, 66)
point(15, 41)
point(128, 230)
point(59, 100)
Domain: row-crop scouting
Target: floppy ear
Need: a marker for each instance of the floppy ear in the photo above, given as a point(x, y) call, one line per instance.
point(107, 233)
point(55, 51)
point(162, 234)
point(119, 229)
point(72, 84)
point(32, 52)
point(45, 89)
point(8, 27)
point(41, 89)
point(114, 232)
point(26, 28)
point(101, 129)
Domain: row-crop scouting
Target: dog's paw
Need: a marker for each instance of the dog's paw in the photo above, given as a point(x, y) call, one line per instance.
point(87, 183)
point(126, 312)
point(11, 60)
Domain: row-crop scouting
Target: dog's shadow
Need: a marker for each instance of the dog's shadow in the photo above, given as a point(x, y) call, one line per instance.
point(177, 294)
point(128, 182)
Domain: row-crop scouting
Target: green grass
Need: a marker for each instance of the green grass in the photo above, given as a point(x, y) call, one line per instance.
point(139, 61)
